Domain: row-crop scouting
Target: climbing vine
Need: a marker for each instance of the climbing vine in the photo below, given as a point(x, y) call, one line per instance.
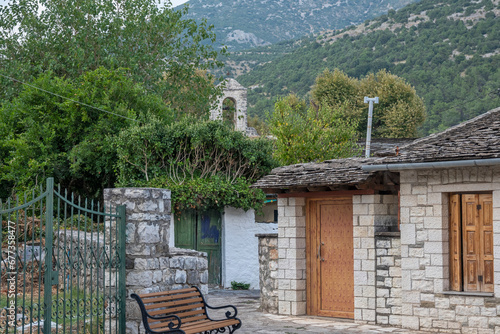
point(204, 164)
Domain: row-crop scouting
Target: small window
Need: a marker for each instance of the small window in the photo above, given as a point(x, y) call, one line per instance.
point(471, 242)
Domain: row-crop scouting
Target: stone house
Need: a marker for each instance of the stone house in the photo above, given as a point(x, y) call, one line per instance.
point(340, 252)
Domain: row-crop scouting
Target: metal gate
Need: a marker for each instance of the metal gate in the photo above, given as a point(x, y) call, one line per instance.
point(62, 265)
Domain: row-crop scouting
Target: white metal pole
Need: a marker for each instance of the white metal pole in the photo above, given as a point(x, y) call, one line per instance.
point(369, 126)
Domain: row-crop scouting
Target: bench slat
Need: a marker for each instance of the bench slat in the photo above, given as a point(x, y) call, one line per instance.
point(189, 320)
point(167, 298)
point(208, 325)
point(183, 315)
point(165, 293)
point(173, 303)
point(177, 309)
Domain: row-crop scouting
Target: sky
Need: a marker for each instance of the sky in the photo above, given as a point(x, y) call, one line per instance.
point(174, 2)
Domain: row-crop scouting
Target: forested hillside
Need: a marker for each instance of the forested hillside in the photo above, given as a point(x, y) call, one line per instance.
point(449, 51)
point(242, 24)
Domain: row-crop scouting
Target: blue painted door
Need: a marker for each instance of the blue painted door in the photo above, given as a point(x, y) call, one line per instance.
point(202, 231)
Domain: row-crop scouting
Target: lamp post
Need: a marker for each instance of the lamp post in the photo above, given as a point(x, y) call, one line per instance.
point(369, 126)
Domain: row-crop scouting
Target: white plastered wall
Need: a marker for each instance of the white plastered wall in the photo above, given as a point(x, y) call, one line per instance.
point(240, 254)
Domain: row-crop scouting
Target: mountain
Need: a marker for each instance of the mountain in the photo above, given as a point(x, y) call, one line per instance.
point(448, 50)
point(242, 24)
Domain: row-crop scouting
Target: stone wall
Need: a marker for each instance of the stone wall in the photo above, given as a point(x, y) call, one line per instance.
point(427, 303)
point(370, 213)
point(388, 277)
point(152, 266)
point(71, 247)
point(268, 263)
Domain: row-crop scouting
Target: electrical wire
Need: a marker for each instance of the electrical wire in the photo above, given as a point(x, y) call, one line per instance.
point(67, 98)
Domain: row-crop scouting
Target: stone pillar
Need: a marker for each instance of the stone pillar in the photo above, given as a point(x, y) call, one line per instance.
point(292, 256)
point(268, 263)
point(370, 212)
point(388, 248)
point(150, 265)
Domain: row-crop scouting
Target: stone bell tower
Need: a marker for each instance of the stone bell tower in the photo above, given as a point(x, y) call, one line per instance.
point(232, 105)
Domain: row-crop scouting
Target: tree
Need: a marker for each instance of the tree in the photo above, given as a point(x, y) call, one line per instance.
point(161, 49)
point(46, 135)
point(305, 134)
point(399, 113)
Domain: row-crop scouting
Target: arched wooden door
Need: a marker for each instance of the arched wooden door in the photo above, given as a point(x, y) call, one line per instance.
point(330, 258)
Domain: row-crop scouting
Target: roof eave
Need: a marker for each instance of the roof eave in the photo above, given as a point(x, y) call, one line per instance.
point(431, 165)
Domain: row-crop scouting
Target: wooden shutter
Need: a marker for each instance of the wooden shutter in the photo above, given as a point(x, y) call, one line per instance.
point(471, 242)
point(486, 242)
point(455, 244)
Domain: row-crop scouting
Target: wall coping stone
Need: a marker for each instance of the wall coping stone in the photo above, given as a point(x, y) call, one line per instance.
point(174, 251)
point(266, 235)
point(465, 293)
point(388, 234)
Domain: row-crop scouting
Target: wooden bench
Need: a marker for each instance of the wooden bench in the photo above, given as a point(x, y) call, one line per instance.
point(182, 311)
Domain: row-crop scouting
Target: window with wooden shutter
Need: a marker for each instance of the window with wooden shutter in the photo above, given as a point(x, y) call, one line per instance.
point(471, 242)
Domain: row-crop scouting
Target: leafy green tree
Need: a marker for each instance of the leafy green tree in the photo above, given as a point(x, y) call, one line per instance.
point(46, 135)
point(305, 134)
point(399, 113)
point(205, 164)
point(161, 49)
point(337, 90)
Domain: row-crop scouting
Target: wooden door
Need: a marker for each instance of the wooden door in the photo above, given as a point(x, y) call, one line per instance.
point(330, 259)
point(185, 229)
point(209, 241)
point(201, 231)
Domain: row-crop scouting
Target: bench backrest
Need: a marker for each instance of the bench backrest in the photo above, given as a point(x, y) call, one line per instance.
point(187, 304)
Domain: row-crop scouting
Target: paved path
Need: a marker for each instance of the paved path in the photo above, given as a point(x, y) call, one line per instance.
point(254, 321)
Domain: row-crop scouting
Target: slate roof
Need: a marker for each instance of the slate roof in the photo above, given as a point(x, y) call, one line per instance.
point(478, 138)
point(345, 172)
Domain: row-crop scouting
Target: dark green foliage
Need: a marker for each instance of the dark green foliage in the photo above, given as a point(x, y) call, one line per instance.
point(44, 135)
point(451, 63)
point(205, 164)
point(239, 285)
point(161, 49)
point(305, 133)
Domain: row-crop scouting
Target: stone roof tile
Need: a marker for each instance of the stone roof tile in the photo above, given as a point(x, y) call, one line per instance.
point(478, 138)
point(328, 173)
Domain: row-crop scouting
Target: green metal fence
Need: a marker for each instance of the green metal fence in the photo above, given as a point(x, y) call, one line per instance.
point(62, 264)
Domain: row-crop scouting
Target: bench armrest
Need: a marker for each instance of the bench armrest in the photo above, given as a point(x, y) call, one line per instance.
point(173, 328)
point(228, 313)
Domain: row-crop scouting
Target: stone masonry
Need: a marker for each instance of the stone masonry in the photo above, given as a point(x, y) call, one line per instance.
point(291, 256)
point(268, 263)
point(150, 265)
point(427, 303)
point(370, 212)
point(388, 277)
point(236, 92)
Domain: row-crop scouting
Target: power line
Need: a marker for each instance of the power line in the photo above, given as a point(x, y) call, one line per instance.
point(67, 98)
